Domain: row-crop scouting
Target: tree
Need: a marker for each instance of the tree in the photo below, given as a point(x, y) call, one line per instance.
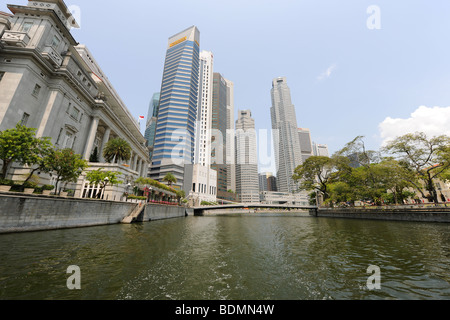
point(117, 149)
point(169, 178)
point(20, 145)
point(429, 158)
point(315, 174)
point(102, 179)
point(66, 165)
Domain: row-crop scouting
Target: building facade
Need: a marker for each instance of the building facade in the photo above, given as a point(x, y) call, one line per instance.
point(174, 138)
point(152, 119)
point(230, 148)
point(204, 178)
point(247, 182)
point(284, 122)
point(219, 133)
point(320, 150)
point(50, 82)
point(304, 137)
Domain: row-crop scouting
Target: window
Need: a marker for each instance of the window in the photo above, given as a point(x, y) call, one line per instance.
point(74, 113)
point(24, 119)
point(55, 42)
point(36, 90)
point(1, 75)
point(27, 26)
point(67, 143)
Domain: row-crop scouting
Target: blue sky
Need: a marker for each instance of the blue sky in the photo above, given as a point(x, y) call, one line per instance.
point(345, 79)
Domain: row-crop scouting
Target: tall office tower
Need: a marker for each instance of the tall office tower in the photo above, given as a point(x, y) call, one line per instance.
point(320, 150)
point(247, 184)
point(267, 182)
point(219, 131)
point(287, 148)
point(202, 154)
point(174, 139)
point(150, 127)
point(230, 149)
point(204, 178)
point(304, 137)
point(272, 183)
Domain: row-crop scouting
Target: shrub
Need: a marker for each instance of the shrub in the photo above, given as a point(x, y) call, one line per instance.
point(48, 187)
point(6, 182)
point(29, 184)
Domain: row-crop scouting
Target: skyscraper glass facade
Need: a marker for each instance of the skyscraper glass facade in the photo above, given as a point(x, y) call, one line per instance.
point(152, 118)
point(174, 138)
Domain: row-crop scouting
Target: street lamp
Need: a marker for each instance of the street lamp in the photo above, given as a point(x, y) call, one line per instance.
point(128, 187)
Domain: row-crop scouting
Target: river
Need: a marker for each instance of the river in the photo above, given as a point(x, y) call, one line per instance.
point(230, 258)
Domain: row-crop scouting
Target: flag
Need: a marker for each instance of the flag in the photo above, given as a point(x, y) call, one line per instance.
point(141, 117)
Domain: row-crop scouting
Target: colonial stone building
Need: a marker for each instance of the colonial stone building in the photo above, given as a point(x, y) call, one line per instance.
point(50, 82)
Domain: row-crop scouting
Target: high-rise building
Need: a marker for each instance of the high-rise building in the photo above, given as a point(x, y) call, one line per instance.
point(320, 150)
point(230, 149)
point(247, 184)
point(202, 153)
point(174, 139)
point(219, 132)
point(267, 182)
point(287, 148)
point(150, 127)
point(204, 178)
point(304, 137)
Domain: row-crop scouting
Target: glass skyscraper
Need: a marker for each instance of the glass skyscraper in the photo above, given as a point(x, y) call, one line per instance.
point(150, 127)
point(174, 138)
point(287, 148)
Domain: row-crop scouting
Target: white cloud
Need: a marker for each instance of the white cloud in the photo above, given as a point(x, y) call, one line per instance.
point(327, 73)
point(433, 121)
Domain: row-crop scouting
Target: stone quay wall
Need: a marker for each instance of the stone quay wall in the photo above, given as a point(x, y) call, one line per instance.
point(425, 214)
point(20, 212)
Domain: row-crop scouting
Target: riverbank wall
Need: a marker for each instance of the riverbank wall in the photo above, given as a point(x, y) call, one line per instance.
point(22, 213)
point(425, 214)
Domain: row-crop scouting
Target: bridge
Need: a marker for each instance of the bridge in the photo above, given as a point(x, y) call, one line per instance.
point(251, 207)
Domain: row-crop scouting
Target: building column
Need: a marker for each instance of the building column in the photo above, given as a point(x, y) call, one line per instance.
point(91, 137)
point(138, 169)
point(104, 142)
point(130, 162)
point(135, 162)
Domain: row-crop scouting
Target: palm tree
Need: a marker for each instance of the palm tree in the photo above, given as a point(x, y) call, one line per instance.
point(117, 149)
point(170, 178)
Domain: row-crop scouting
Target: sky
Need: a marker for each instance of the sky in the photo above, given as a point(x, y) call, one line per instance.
point(377, 68)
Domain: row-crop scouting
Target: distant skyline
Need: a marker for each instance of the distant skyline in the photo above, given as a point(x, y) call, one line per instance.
point(345, 78)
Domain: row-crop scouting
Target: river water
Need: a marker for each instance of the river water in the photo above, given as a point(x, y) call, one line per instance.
point(231, 258)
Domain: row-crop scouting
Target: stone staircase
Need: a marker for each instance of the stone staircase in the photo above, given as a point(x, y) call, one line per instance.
point(134, 214)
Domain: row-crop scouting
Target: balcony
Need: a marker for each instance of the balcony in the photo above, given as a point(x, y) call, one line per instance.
point(16, 38)
point(53, 56)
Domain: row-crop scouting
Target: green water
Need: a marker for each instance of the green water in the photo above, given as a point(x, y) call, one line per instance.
point(232, 258)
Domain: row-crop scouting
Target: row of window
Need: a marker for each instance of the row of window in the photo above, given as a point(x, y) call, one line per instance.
point(203, 187)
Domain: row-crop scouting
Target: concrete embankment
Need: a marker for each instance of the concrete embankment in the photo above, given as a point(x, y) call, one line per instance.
point(425, 214)
point(20, 212)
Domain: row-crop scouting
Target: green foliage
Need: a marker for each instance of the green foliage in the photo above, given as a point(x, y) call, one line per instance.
point(207, 203)
point(132, 196)
point(142, 181)
point(169, 178)
point(103, 178)
point(20, 145)
point(117, 149)
point(66, 165)
point(6, 182)
point(354, 173)
point(428, 158)
point(48, 187)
